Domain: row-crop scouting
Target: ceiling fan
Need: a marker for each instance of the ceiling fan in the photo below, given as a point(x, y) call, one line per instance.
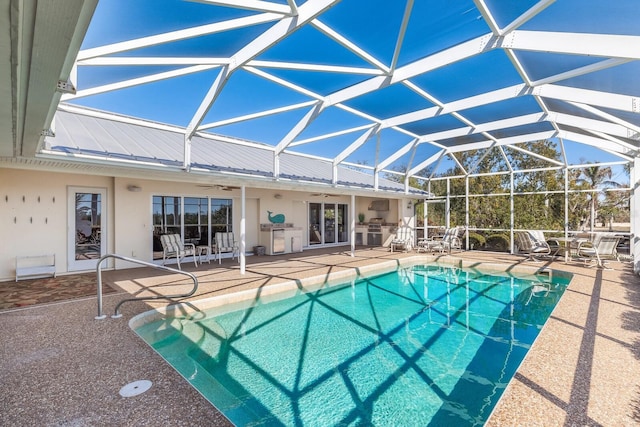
point(219, 187)
point(325, 195)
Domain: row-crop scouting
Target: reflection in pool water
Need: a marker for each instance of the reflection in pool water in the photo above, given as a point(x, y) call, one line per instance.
point(418, 346)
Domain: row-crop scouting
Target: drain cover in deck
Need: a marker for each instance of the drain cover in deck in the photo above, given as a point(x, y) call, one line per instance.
point(135, 388)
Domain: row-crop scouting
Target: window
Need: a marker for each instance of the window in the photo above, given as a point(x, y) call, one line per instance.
point(166, 215)
point(221, 217)
point(196, 219)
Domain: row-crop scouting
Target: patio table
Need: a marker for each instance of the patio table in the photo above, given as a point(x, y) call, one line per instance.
point(566, 245)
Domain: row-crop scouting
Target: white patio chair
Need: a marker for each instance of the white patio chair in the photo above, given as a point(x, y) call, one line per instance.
point(452, 239)
point(172, 246)
point(527, 243)
point(602, 247)
point(403, 239)
point(225, 242)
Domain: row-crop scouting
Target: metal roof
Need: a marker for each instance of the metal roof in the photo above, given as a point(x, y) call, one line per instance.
point(379, 85)
point(114, 139)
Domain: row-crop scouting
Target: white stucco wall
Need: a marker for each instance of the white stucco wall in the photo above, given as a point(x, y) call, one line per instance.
point(37, 224)
point(33, 227)
point(134, 221)
point(34, 213)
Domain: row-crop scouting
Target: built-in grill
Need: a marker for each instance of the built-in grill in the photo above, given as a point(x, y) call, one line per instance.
point(374, 232)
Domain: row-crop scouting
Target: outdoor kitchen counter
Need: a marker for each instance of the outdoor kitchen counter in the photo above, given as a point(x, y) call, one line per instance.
point(386, 232)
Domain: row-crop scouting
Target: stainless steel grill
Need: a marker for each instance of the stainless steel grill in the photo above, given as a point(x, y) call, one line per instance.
point(375, 225)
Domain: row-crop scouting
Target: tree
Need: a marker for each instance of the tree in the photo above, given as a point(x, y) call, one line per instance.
point(615, 205)
point(596, 178)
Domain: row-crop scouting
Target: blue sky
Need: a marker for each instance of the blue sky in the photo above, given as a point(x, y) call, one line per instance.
point(373, 25)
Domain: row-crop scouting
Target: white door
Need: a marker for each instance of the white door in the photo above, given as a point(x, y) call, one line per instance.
point(87, 220)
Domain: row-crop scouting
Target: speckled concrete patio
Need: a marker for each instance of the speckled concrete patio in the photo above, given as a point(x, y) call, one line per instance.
point(60, 367)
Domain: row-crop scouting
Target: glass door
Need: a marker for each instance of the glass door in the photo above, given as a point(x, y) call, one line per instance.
point(342, 223)
point(86, 225)
point(329, 223)
point(315, 230)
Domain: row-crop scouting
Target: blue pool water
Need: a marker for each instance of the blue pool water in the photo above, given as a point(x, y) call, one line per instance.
point(425, 345)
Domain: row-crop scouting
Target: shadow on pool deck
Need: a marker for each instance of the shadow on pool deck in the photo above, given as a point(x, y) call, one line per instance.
point(59, 366)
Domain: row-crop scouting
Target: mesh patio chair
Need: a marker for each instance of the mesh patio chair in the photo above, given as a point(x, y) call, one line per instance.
point(225, 242)
point(172, 246)
point(530, 243)
point(452, 239)
point(603, 247)
point(403, 239)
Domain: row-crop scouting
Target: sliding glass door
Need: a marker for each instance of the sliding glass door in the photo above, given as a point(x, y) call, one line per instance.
point(315, 228)
point(195, 219)
point(328, 223)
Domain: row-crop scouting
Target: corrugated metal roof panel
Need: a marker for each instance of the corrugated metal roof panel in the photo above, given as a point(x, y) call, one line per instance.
point(124, 140)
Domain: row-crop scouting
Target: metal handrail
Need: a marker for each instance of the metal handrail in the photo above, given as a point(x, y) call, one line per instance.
point(116, 315)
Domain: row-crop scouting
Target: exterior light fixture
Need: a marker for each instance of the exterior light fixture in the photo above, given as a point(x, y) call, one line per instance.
point(134, 188)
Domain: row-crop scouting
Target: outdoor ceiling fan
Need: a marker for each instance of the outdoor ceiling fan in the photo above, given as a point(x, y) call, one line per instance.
point(219, 187)
point(325, 195)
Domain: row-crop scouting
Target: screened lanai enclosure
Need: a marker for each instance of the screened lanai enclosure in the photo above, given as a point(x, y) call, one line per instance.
point(509, 114)
point(560, 201)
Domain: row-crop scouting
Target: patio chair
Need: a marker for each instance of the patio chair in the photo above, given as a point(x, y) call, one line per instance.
point(532, 244)
point(452, 239)
point(553, 243)
point(403, 239)
point(172, 246)
point(603, 247)
point(225, 242)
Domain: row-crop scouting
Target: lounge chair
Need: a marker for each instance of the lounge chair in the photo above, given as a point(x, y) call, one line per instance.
point(172, 246)
point(532, 244)
point(452, 239)
point(603, 247)
point(403, 239)
point(225, 242)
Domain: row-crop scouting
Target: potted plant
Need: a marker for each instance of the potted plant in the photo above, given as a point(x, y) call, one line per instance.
point(361, 218)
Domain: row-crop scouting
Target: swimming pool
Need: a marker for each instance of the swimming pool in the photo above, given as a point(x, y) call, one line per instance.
point(418, 346)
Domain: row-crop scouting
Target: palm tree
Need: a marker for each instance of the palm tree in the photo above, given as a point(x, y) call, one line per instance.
point(596, 177)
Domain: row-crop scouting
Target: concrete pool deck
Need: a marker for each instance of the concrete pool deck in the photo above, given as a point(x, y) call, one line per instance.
point(59, 366)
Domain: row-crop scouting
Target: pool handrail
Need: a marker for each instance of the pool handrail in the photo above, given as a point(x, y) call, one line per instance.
point(116, 315)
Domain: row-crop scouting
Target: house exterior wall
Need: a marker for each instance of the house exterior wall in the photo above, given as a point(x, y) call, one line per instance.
point(33, 227)
point(37, 224)
point(133, 214)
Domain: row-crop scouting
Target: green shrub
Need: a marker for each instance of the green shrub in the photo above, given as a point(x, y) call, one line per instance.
point(498, 242)
point(476, 241)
